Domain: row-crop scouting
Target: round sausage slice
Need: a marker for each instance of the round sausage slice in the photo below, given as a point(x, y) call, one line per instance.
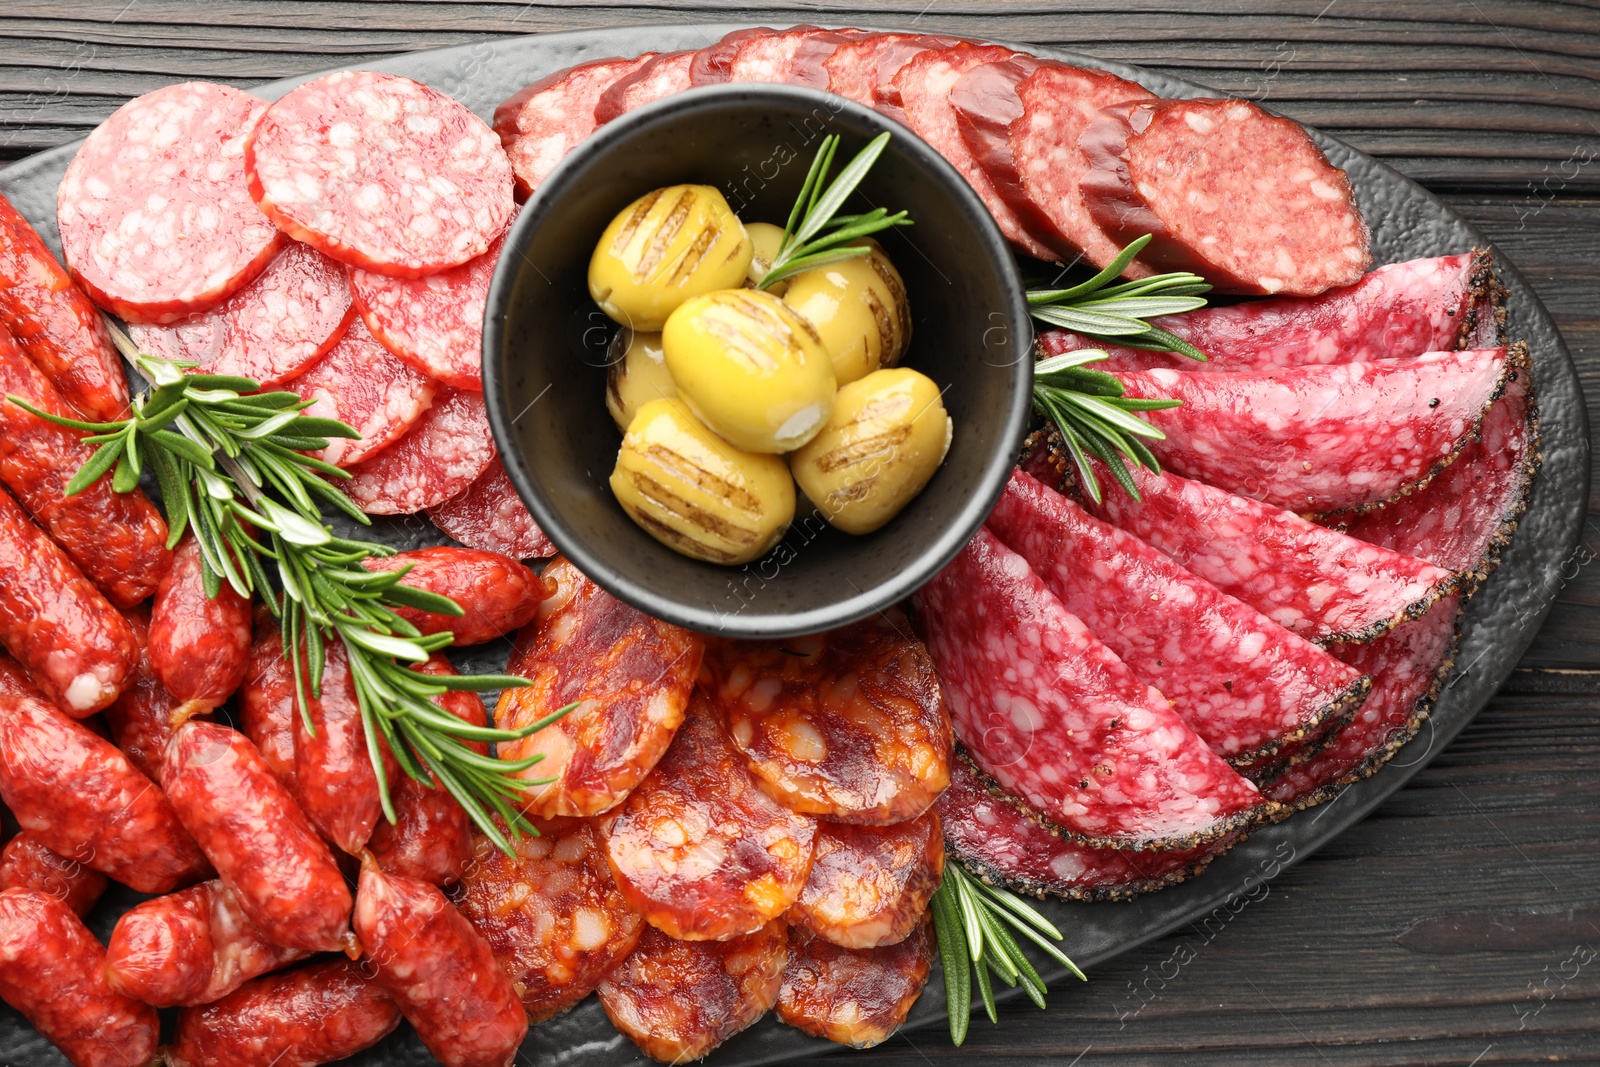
point(855, 997)
point(441, 455)
point(491, 516)
point(870, 885)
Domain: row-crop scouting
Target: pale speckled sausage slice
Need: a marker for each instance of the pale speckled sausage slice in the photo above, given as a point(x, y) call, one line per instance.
point(437, 458)
point(861, 68)
point(660, 77)
point(491, 516)
point(855, 997)
point(870, 885)
point(544, 121)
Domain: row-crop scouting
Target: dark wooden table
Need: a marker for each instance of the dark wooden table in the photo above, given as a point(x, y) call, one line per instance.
point(1460, 924)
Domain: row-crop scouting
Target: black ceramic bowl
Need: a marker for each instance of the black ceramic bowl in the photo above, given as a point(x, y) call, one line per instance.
point(545, 344)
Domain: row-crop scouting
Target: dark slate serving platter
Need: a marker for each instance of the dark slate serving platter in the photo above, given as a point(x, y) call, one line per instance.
point(1500, 622)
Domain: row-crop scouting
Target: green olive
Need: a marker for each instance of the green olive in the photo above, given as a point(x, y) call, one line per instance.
point(860, 310)
point(766, 240)
point(886, 437)
point(751, 369)
point(664, 248)
point(695, 493)
point(637, 375)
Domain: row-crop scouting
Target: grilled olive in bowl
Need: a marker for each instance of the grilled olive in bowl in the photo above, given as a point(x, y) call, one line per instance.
point(859, 309)
point(637, 374)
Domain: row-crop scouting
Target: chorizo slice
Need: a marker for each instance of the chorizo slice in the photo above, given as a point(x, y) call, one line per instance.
point(870, 885)
point(26, 863)
point(198, 644)
point(439, 971)
point(854, 996)
point(699, 849)
point(553, 914)
point(50, 971)
point(849, 725)
point(631, 676)
point(498, 594)
point(302, 1018)
point(83, 798)
point(678, 1000)
point(335, 781)
point(190, 947)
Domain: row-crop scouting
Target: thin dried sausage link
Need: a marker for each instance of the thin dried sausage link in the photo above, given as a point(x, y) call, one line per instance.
point(870, 885)
point(335, 782)
point(498, 594)
point(198, 644)
point(855, 997)
point(26, 863)
point(141, 718)
point(267, 702)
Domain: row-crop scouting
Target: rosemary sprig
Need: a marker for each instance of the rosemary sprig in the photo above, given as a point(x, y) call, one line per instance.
point(1118, 313)
point(813, 236)
point(1095, 418)
point(976, 926)
point(231, 464)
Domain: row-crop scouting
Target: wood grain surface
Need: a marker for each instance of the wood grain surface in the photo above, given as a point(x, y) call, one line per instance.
point(1460, 924)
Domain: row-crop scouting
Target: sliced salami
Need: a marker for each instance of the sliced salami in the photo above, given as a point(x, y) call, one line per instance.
point(380, 172)
point(855, 997)
point(1246, 685)
point(360, 383)
point(1056, 717)
point(1319, 583)
point(849, 725)
point(660, 77)
point(1339, 437)
point(1005, 842)
point(631, 676)
point(437, 458)
point(1400, 310)
point(870, 885)
point(552, 914)
point(1408, 664)
point(1021, 118)
point(678, 1000)
point(435, 323)
point(923, 87)
point(271, 330)
point(703, 853)
point(491, 516)
point(863, 68)
point(541, 123)
point(713, 64)
point(794, 57)
point(156, 220)
point(1241, 197)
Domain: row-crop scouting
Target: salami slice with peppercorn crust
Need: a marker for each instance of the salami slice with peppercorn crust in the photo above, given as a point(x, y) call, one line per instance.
point(660, 77)
point(1400, 310)
point(380, 172)
point(1056, 717)
point(541, 123)
point(855, 997)
point(1321, 584)
point(1246, 685)
point(491, 516)
point(437, 459)
point(1341, 437)
point(1243, 198)
point(155, 216)
point(870, 885)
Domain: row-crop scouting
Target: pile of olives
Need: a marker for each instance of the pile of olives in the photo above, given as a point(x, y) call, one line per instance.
point(729, 394)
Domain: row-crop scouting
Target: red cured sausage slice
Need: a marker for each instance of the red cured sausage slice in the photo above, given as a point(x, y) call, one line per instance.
point(155, 218)
point(1408, 664)
point(198, 644)
point(75, 646)
point(697, 848)
point(923, 86)
point(632, 674)
point(26, 863)
point(191, 947)
point(1395, 311)
point(793, 57)
point(1021, 118)
point(436, 460)
point(678, 1000)
point(863, 68)
point(380, 172)
point(491, 516)
point(270, 330)
point(713, 64)
point(435, 323)
point(870, 885)
point(335, 782)
point(849, 724)
point(1005, 842)
point(1243, 198)
point(541, 123)
point(267, 702)
point(553, 915)
point(118, 539)
point(50, 970)
point(440, 972)
point(1318, 583)
point(81, 797)
point(855, 997)
point(1054, 716)
point(661, 76)
point(1246, 685)
point(1326, 438)
point(314, 1015)
point(260, 843)
point(431, 837)
point(359, 382)
point(56, 325)
point(498, 594)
